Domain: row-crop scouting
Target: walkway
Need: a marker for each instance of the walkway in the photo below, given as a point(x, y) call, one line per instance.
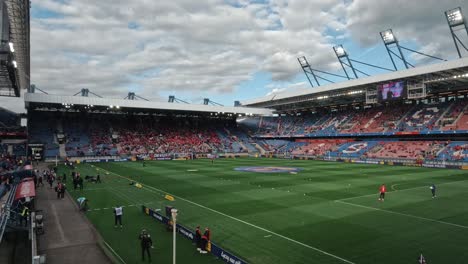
point(69, 236)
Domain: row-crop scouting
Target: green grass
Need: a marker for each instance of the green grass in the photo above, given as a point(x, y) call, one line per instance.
point(327, 213)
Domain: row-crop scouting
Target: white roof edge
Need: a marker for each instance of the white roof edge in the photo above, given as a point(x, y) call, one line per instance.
point(140, 104)
point(443, 66)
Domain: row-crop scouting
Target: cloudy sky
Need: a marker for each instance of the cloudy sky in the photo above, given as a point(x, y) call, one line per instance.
point(225, 50)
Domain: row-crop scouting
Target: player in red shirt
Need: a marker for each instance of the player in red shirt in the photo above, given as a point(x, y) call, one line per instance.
point(383, 189)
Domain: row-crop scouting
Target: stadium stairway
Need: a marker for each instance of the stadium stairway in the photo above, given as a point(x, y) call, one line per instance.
point(62, 151)
point(243, 146)
point(257, 146)
point(447, 109)
point(463, 117)
point(397, 124)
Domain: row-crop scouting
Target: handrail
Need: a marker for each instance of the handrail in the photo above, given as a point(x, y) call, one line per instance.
point(6, 215)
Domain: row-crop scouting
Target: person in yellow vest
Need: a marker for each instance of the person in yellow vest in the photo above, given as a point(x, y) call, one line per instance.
point(24, 215)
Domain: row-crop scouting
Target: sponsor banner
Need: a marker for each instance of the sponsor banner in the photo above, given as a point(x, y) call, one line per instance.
point(187, 233)
point(103, 160)
point(407, 133)
point(159, 217)
point(225, 256)
point(454, 167)
point(366, 161)
point(442, 166)
point(163, 158)
point(464, 167)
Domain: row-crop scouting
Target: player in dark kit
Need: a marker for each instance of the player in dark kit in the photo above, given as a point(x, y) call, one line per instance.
point(146, 244)
point(433, 190)
point(383, 189)
point(198, 238)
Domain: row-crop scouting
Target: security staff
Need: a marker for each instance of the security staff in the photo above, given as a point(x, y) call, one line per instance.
point(24, 215)
point(146, 244)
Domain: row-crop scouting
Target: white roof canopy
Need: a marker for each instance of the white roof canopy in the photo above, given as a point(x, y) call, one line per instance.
point(422, 73)
point(58, 100)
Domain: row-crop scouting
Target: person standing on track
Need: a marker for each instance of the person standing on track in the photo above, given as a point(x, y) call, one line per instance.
point(118, 212)
point(383, 189)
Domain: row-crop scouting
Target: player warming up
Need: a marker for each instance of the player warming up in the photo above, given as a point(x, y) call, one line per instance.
point(433, 190)
point(383, 189)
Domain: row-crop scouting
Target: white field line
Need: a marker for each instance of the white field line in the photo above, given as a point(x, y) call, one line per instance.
point(59, 226)
point(244, 222)
point(402, 214)
point(115, 253)
point(402, 190)
point(127, 205)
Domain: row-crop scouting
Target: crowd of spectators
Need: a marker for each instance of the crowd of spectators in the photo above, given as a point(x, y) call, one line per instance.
point(141, 135)
point(422, 117)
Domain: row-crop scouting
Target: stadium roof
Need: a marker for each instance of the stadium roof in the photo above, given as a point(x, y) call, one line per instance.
point(18, 15)
point(449, 73)
point(56, 102)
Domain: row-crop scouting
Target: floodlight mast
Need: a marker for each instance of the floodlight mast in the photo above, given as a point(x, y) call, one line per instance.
point(133, 96)
point(341, 54)
point(173, 99)
point(307, 70)
point(389, 39)
point(207, 101)
point(456, 21)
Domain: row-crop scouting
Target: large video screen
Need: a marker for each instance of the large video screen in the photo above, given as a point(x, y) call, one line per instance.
point(392, 91)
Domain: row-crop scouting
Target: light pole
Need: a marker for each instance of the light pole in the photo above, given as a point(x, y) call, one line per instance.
point(174, 216)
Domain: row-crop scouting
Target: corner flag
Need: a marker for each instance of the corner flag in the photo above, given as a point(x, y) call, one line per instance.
point(421, 260)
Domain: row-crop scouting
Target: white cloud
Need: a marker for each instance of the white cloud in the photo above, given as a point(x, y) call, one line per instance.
point(188, 45)
point(155, 47)
point(422, 22)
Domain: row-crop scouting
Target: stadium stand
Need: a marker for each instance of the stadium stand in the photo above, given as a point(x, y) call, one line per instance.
point(422, 117)
point(108, 135)
point(93, 135)
point(456, 151)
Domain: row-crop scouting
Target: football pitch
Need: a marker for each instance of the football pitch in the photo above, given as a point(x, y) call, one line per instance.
point(325, 213)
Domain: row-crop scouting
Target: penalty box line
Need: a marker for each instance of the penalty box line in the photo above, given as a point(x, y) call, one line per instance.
point(402, 214)
point(245, 222)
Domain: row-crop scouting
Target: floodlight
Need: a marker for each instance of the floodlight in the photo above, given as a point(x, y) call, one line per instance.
point(388, 37)
point(14, 64)
point(12, 49)
point(454, 16)
point(340, 51)
point(303, 61)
